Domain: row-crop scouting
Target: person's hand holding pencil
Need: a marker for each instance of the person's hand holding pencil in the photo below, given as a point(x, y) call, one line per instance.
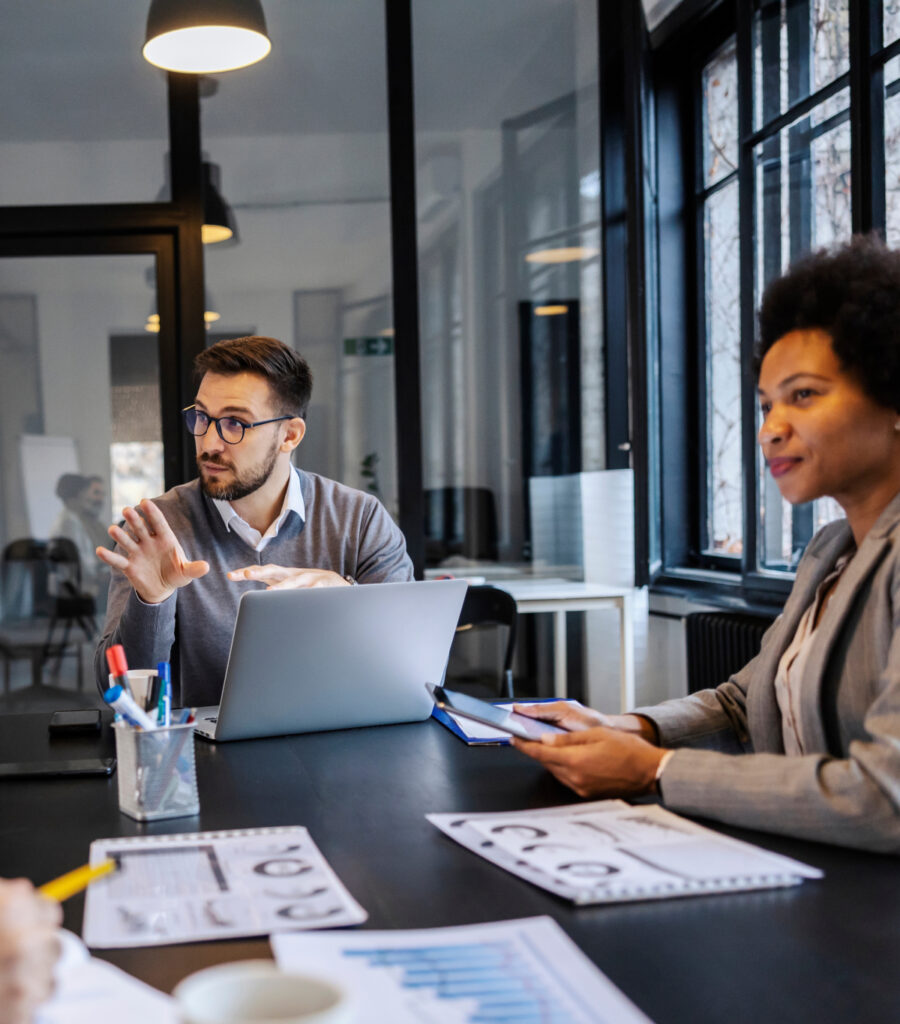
point(29, 948)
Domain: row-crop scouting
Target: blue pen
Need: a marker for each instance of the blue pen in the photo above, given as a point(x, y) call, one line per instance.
point(164, 709)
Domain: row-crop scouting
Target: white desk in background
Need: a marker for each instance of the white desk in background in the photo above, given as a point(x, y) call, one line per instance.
point(560, 596)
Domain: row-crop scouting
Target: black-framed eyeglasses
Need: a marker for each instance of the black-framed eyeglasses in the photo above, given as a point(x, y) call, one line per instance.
point(229, 428)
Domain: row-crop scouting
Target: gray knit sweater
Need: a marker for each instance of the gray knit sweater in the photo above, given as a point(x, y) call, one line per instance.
point(346, 530)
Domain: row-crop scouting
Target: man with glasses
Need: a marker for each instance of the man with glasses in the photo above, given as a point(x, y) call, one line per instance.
point(182, 560)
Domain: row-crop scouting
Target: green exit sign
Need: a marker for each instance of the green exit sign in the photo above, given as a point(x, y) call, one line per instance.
point(379, 346)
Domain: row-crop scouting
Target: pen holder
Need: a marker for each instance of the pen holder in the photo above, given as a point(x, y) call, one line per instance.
point(156, 771)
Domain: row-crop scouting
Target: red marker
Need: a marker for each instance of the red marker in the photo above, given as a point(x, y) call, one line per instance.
point(118, 666)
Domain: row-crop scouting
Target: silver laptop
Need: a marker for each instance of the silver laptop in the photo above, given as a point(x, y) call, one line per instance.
point(334, 658)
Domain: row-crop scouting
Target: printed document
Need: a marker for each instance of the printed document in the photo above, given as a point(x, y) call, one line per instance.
point(609, 851)
point(524, 970)
point(213, 885)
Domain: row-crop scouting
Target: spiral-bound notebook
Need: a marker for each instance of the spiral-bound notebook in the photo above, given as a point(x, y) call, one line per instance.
point(609, 851)
point(193, 886)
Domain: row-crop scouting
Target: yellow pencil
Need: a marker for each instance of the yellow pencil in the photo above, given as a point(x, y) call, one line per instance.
point(74, 881)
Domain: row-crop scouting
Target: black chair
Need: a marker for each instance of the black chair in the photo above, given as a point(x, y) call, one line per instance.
point(460, 521)
point(490, 606)
point(70, 604)
point(41, 589)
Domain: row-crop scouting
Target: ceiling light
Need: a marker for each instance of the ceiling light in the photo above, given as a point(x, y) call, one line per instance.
point(205, 36)
point(210, 316)
point(564, 255)
point(218, 219)
point(550, 310)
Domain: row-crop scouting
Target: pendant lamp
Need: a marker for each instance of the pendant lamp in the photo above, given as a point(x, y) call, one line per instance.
point(205, 36)
point(210, 314)
point(219, 223)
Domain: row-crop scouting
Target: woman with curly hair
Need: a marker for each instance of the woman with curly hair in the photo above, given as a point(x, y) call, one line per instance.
point(815, 717)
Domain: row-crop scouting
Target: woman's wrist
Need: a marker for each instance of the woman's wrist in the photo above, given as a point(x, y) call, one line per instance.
point(636, 725)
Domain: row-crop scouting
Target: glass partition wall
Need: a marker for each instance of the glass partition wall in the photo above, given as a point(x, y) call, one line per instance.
point(511, 341)
point(99, 150)
point(302, 146)
point(80, 436)
point(508, 207)
point(82, 114)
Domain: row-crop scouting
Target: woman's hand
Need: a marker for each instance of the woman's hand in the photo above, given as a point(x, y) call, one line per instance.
point(29, 947)
point(567, 714)
point(574, 717)
point(599, 761)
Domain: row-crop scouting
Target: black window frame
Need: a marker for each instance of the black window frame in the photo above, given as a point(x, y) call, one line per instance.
point(680, 47)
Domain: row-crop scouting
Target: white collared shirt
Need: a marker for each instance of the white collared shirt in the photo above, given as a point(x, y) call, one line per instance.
point(293, 502)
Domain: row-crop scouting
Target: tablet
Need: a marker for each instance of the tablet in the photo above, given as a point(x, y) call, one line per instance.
point(489, 714)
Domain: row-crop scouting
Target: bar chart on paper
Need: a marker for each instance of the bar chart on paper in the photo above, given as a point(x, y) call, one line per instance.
point(511, 972)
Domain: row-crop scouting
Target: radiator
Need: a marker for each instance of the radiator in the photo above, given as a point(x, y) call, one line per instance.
point(719, 643)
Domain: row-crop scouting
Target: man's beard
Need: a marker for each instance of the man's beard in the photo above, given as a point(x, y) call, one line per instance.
point(240, 486)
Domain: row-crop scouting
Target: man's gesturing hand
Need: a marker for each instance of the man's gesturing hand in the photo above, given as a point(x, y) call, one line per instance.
point(597, 762)
point(149, 554)
point(278, 577)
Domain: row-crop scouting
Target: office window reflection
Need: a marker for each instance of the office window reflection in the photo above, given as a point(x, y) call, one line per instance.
point(80, 431)
point(301, 144)
point(507, 210)
point(83, 116)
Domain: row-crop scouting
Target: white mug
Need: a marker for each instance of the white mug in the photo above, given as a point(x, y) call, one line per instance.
point(257, 992)
point(140, 680)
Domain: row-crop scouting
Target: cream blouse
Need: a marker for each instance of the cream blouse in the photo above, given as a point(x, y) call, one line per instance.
point(793, 661)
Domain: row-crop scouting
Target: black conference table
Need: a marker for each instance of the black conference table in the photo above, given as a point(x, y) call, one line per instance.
point(825, 951)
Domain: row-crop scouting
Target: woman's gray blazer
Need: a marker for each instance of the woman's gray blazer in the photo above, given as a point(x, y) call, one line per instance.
point(847, 789)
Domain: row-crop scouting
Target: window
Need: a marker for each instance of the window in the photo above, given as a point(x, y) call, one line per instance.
point(772, 170)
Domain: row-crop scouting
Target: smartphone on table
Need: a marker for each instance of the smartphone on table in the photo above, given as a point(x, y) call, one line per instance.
point(82, 720)
point(38, 769)
point(489, 714)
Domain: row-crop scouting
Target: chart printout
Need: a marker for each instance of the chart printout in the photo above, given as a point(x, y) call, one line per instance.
point(509, 972)
point(608, 851)
point(213, 885)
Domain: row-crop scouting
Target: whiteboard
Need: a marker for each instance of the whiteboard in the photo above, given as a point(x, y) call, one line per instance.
point(44, 460)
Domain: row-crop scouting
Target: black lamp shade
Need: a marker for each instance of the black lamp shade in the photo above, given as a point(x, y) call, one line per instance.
point(205, 36)
point(219, 223)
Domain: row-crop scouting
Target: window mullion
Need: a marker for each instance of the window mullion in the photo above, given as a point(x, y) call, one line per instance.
point(867, 117)
point(747, 258)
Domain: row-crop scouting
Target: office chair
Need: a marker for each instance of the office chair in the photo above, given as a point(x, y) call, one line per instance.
point(490, 606)
point(41, 587)
point(70, 604)
point(460, 521)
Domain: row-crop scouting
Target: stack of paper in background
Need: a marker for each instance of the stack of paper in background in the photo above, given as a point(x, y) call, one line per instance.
point(586, 520)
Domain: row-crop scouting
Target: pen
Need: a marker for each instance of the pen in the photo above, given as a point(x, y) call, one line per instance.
point(128, 707)
point(74, 881)
point(164, 709)
point(118, 666)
